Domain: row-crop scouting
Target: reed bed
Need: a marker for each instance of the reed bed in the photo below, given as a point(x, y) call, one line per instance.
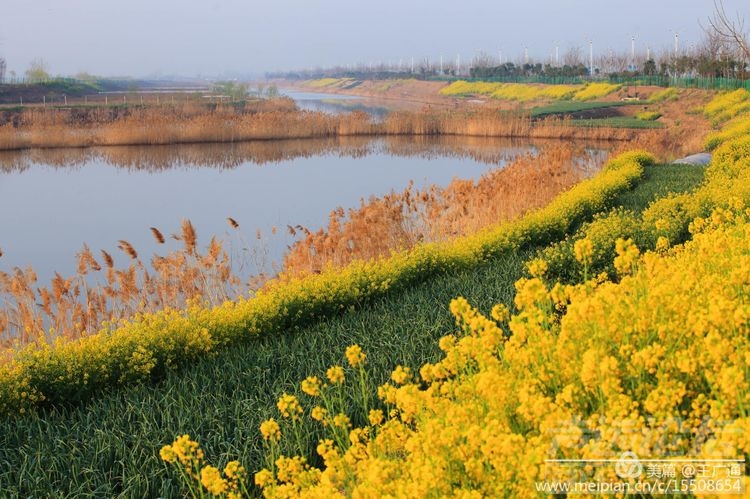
point(400, 220)
point(102, 294)
point(196, 123)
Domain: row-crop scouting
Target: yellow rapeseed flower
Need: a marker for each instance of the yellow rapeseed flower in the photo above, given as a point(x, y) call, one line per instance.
point(584, 251)
point(401, 375)
point(270, 430)
point(167, 454)
point(212, 480)
point(375, 417)
point(318, 413)
point(341, 420)
point(311, 386)
point(289, 406)
point(264, 478)
point(335, 375)
point(354, 355)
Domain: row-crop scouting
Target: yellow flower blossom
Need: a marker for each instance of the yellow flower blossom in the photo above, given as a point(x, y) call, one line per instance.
point(270, 430)
point(354, 355)
point(311, 386)
point(401, 375)
point(341, 420)
point(584, 251)
point(375, 417)
point(212, 480)
point(289, 406)
point(335, 375)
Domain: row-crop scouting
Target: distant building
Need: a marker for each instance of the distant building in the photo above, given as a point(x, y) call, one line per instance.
point(2, 70)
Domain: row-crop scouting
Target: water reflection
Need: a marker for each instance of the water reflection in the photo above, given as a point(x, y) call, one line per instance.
point(52, 201)
point(336, 104)
point(491, 151)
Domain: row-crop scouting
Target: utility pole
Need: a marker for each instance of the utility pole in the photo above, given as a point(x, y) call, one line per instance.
point(591, 58)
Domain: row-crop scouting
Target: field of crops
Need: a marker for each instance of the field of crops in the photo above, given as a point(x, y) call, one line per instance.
point(526, 92)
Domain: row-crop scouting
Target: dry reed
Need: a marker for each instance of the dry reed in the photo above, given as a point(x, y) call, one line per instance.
point(99, 295)
point(56, 128)
point(402, 219)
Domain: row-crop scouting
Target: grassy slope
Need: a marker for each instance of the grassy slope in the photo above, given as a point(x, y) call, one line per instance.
point(617, 122)
point(110, 446)
point(566, 107)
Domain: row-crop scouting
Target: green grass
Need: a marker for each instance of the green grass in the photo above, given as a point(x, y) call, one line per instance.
point(567, 107)
point(658, 181)
point(109, 447)
point(618, 122)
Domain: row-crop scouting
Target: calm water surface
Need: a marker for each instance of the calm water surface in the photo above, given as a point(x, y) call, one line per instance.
point(334, 103)
point(51, 202)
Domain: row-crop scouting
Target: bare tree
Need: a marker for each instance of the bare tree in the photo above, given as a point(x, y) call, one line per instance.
point(573, 56)
point(483, 60)
point(729, 30)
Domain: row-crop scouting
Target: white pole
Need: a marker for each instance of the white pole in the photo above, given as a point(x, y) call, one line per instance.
point(458, 64)
point(648, 53)
point(632, 48)
point(591, 58)
point(441, 64)
point(526, 55)
point(412, 64)
point(557, 55)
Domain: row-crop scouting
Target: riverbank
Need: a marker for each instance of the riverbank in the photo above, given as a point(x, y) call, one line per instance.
point(277, 119)
point(597, 278)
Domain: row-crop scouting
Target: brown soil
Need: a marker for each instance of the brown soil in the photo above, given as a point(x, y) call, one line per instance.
point(400, 94)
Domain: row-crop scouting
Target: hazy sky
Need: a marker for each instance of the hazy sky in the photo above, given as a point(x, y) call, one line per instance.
point(220, 37)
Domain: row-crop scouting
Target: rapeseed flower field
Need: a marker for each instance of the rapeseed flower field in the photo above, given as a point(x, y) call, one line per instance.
point(630, 339)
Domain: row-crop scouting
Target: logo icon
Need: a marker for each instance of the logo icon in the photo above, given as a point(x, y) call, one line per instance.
point(628, 466)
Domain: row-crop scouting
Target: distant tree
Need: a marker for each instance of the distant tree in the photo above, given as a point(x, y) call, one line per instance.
point(272, 91)
point(729, 30)
point(85, 76)
point(38, 71)
point(573, 57)
point(649, 67)
point(235, 91)
point(482, 60)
